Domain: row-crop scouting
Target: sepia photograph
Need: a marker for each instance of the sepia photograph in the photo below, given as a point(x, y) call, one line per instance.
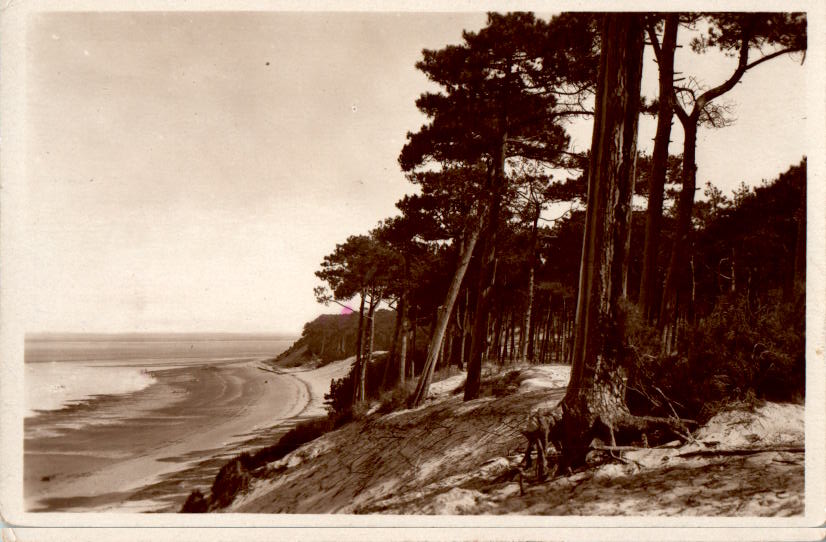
point(540, 266)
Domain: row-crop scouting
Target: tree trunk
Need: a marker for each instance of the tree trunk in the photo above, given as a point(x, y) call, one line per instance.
point(487, 278)
point(358, 384)
point(596, 391)
point(466, 251)
point(391, 357)
point(403, 356)
point(499, 346)
point(679, 252)
point(510, 336)
point(526, 345)
point(414, 338)
point(365, 362)
point(659, 167)
point(463, 330)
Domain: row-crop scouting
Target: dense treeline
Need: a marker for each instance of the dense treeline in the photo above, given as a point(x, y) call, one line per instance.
point(484, 263)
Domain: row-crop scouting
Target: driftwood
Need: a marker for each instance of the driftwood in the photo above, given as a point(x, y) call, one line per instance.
point(744, 451)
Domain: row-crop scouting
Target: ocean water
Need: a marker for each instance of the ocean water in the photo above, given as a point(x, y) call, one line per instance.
point(64, 371)
point(54, 385)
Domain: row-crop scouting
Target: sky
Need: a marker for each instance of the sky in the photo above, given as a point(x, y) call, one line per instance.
point(189, 171)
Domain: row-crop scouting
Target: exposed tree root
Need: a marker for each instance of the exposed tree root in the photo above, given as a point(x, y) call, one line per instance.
point(544, 427)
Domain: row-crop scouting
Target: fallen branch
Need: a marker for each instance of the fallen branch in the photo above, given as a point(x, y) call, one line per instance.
point(607, 448)
point(744, 451)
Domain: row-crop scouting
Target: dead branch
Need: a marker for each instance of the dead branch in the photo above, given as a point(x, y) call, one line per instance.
point(744, 451)
point(615, 448)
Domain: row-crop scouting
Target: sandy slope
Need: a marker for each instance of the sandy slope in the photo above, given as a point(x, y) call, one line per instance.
point(452, 457)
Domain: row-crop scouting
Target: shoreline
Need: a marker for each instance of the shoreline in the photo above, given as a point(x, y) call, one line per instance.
point(216, 412)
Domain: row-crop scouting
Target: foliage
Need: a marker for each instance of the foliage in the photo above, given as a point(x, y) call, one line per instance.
point(331, 337)
point(359, 263)
point(503, 67)
point(500, 385)
point(395, 399)
point(750, 241)
point(195, 503)
point(300, 434)
point(237, 473)
point(740, 352)
point(339, 400)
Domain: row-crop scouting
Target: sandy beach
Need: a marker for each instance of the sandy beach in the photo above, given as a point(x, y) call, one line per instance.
point(172, 438)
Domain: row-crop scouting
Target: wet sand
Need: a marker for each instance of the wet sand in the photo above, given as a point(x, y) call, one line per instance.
point(152, 447)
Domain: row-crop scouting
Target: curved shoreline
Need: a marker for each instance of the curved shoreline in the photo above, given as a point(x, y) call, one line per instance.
point(223, 409)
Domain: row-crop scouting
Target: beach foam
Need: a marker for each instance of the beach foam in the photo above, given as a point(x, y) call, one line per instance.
point(53, 386)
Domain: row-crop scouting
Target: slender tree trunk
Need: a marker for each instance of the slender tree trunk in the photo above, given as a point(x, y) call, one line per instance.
point(445, 311)
point(357, 375)
point(659, 167)
point(524, 346)
point(498, 344)
point(510, 336)
point(414, 338)
point(368, 358)
point(679, 252)
point(596, 391)
point(487, 278)
point(403, 357)
point(391, 357)
point(463, 330)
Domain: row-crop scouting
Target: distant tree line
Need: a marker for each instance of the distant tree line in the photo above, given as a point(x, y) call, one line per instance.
point(332, 337)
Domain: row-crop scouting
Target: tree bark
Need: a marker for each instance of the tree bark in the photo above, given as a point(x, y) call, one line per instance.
point(403, 356)
point(487, 278)
point(596, 392)
point(358, 384)
point(525, 344)
point(465, 322)
point(679, 252)
point(391, 357)
point(445, 311)
point(366, 360)
point(659, 164)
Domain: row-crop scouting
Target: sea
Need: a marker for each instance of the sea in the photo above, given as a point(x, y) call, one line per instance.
point(62, 371)
point(94, 402)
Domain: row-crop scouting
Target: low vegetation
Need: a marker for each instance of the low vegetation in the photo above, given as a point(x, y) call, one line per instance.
point(236, 474)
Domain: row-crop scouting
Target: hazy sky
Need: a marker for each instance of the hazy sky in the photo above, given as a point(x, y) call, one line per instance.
point(188, 172)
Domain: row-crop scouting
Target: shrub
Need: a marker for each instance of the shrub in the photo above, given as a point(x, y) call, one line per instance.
point(395, 399)
point(339, 400)
point(233, 478)
point(500, 385)
point(236, 475)
point(740, 353)
point(759, 348)
point(293, 439)
point(196, 503)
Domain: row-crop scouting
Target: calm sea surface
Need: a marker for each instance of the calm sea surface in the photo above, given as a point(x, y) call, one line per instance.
point(64, 370)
